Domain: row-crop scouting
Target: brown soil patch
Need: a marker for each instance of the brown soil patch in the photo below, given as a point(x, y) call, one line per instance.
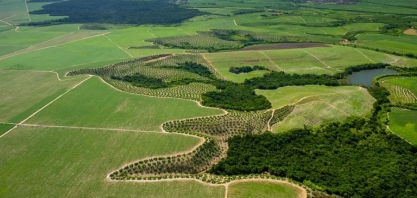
point(411, 31)
point(284, 46)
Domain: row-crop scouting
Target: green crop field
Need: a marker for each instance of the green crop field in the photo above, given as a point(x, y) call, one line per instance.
point(403, 123)
point(262, 189)
point(44, 162)
point(23, 93)
point(95, 104)
point(315, 105)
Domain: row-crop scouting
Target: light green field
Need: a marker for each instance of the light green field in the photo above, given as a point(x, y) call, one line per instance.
point(403, 123)
point(22, 93)
point(44, 162)
point(315, 105)
point(95, 104)
point(262, 189)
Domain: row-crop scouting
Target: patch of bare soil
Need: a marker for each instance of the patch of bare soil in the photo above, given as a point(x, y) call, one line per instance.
point(284, 46)
point(411, 31)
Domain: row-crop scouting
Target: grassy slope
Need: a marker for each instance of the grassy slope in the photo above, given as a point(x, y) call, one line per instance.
point(261, 189)
point(403, 123)
point(40, 162)
point(94, 104)
point(22, 93)
point(318, 104)
point(408, 83)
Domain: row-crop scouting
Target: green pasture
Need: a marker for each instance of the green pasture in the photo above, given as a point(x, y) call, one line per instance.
point(262, 189)
point(46, 162)
point(95, 104)
point(403, 123)
point(315, 105)
point(23, 93)
point(409, 83)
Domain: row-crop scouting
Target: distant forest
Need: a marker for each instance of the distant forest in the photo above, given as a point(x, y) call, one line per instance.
point(116, 12)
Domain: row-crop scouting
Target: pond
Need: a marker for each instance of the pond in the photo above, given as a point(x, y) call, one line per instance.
point(365, 77)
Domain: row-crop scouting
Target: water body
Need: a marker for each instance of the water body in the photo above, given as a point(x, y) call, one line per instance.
point(365, 77)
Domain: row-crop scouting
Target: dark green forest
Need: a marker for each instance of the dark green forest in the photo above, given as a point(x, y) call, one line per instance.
point(116, 12)
point(355, 158)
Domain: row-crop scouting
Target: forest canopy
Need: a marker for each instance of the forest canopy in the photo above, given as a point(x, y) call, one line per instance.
point(117, 12)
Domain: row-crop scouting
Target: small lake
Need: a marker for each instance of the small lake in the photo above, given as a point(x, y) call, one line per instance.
point(365, 77)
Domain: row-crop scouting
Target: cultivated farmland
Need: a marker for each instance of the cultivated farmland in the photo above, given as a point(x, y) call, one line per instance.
point(95, 104)
point(110, 99)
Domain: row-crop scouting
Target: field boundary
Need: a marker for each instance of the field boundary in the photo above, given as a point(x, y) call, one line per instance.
point(270, 60)
point(118, 46)
point(312, 55)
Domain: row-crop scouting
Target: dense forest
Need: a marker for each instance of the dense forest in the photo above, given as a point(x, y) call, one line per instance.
point(246, 69)
point(356, 158)
point(274, 80)
point(116, 12)
point(236, 97)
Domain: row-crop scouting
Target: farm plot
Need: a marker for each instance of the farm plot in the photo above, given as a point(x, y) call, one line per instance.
point(403, 123)
point(84, 51)
point(398, 92)
point(95, 104)
point(24, 92)
point(409, 83)
point(315, 105)
point(314, 60)
point(75, 163)
point(224, 60)
point(263, 189)
point(399, 44)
